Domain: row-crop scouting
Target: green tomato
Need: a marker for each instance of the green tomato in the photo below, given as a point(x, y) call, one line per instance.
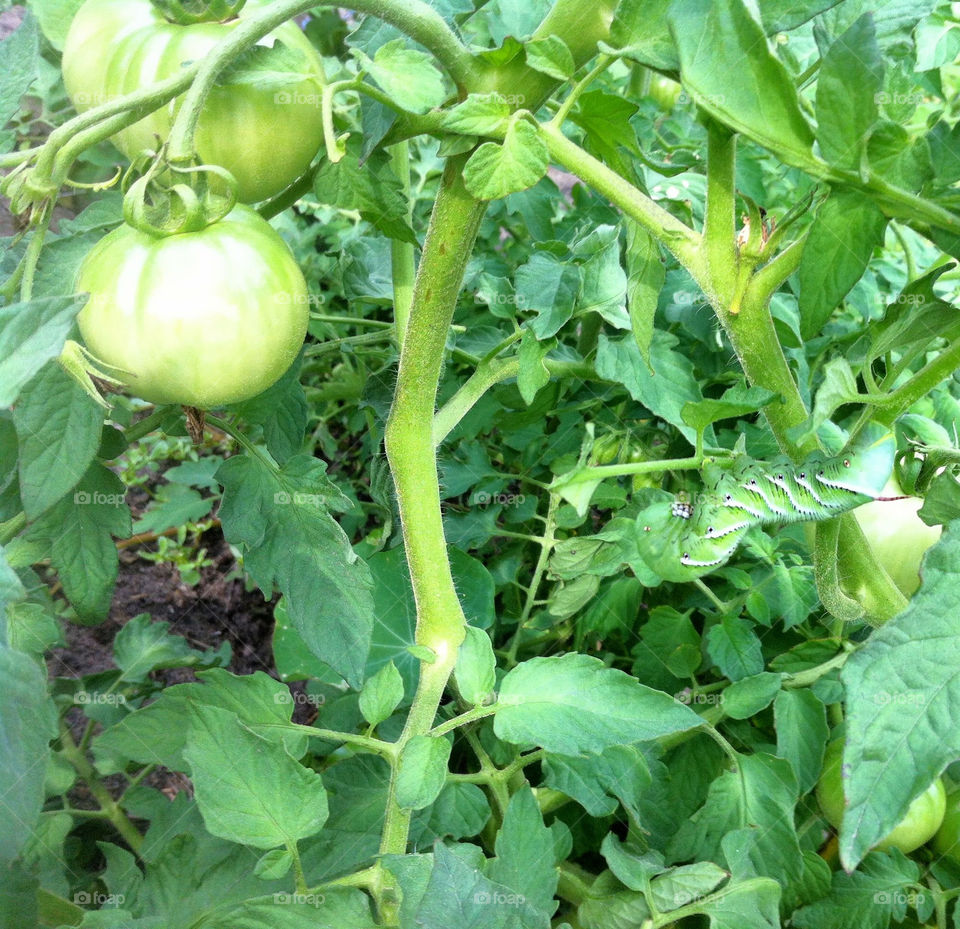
point(947, 840)
point(266, 136)
point(201, 318)
point(898, 537)
point(664, 92)
point(923, 816)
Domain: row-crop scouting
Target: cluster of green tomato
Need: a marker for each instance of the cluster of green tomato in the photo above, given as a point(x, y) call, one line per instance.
point(935, 814)
point(210, 317)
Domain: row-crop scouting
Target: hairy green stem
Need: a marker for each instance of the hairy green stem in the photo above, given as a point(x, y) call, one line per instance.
point(410, 449)
point(12, 527)
point(114, 813)
point(719, 229)
point(487, 374)
point(675, 235)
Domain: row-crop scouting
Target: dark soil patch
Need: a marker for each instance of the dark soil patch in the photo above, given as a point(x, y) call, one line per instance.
point(214, 610)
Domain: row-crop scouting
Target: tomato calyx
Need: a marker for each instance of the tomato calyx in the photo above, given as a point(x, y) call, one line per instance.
point(94, 376)
point(171, 199)
point(190, 12)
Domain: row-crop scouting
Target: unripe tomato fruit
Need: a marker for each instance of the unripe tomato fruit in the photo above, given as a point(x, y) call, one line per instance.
point(898, 537)
point(201, 318)
point(923, 816)
point(947, 840)
point(266, 136)
point(664, 92)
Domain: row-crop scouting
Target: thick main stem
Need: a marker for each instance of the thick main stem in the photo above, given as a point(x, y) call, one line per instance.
point(410, 450)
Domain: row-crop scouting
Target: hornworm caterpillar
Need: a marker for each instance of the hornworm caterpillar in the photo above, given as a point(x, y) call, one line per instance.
point(681, 541)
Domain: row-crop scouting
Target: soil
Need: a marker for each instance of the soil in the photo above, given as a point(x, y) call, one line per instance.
point(206, 614)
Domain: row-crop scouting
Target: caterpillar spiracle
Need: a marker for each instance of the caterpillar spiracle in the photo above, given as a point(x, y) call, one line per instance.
point(680, 540)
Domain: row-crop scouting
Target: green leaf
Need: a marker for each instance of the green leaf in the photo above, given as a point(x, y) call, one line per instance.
point(58, 427)
point(496, 170)
point(572, 703)
point(606, 119)
point(736, 78)
point(19, 64)
point(737, 402)
point(475, 673)
point(422, 771)
point(639, 31)
point(850, 77)
point(597, 781)
point(370, 187)
point(381, 694)
point(174, 505)
point(261, 796)
point(902, 690)
point(847, 228)
point(533, 374)
point(281, 411)
point(274, 864)
point(733, 645)
point(801, 723)
point(11, 587)
point(645, 277)
point(479, 114)
point(281, 520)
point(28, 721)
point(55, 17)
point(408, 76)
point(872, 897)
point(525, 854)
point(550, 56)
point(604, 288)
point(143, 646)
point(155, 734)
point(665, 391)
point(30, 335)
point(763, 793)
point(79, 531)
point(549, 288)
point(750, 695)
point(277, 67)
point(396, 613)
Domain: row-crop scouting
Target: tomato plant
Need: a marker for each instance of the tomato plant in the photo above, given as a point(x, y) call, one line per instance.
point(494, 606)
point(918, 826)
point(265, 132)
point(200, 318)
